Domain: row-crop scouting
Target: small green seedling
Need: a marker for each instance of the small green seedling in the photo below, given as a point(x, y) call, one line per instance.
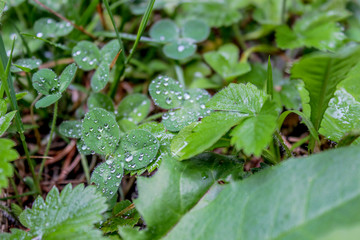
point(47, 83)
point(179, 43)
point(87, 55)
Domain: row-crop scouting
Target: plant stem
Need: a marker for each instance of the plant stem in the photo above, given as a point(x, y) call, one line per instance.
point(47, 149)
point(85, 166)
point(116, 30)
point(10, 92)
point(300, 142)
point(142, 27)
point(281, 141)
point(12, 182)
point(180, 75)
point(238, 36)
point(19, 195)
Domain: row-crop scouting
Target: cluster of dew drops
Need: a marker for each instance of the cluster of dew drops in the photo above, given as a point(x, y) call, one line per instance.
point(165, 81)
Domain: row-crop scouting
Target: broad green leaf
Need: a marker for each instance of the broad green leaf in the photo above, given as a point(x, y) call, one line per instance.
point(317, 28)
point(16, 234)
point(134, 107)
point(67, 76)
point(299, 199)
point(166, 92)
point(55, 5)
point(341, 117)
point(321, 72)
point(190, 140)
point(225, 62)
point(13, 3)
point(100, 131)
point(193, 109)
point(107, 177)
point(196, 30)
point(27, 64)
point(48, 100)
point(214, 13)
point(86, 55)
point(100, 77)
point(238, 97)
point(164, 30)
point(7, 154)
point(5, 121)
point(138, 149)
point(109, 51)
point(71, 129)
point(45, 81)
point(100, 100)
point(49, 28)
point(254, 133)
point(128, 218)
point(68, 215)
point(179, 49)
point(176, 188)
point(268, 12)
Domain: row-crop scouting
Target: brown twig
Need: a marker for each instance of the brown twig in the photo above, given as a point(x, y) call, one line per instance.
point(99, 9)
point(62, 153)
point(80, 28)
point(69, 167)
point(125, 210)
point(115, 59)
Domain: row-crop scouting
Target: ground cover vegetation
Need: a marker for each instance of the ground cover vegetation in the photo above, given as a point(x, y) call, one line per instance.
point(171, 119)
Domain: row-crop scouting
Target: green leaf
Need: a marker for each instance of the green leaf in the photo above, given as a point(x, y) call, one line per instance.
point(190, 140)
point(164, 137)
point(87, 55)
point(138, 149)
point(100, 77)
point(48, 100)
point(109, 51)
point(342, 116)
point(180, 49)
point(7, 154)
point(214, 13)
point(26, 64)
point(238, 97)
point(45, 81)
point(5, 122)
point(107, 177)
point(166, 92)
point(100, 131)
point(254, 133)
point(49, 28)
point(68, 215)
point(71, 129)
point(16, 234)
point(193, 109)
point(121, 218)
point(176, 188)
point(82, 147)
point(67, 76)
point(100, 100)
point(321, 72)
point(299, 199)
point(164, 30)
point(317, 28)
point(196, 30)
point(225, 62)
point(134, 107)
